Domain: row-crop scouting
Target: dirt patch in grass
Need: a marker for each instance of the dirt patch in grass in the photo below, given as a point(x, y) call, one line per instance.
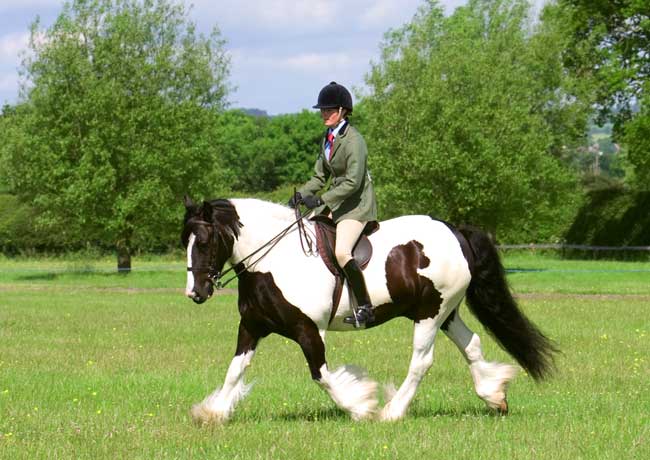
point(231, 291)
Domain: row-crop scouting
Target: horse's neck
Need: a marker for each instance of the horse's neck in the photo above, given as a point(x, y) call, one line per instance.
point(262, 221)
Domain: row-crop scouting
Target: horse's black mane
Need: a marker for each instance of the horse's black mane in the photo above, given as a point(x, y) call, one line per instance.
point(220, 212)
point(223, 214)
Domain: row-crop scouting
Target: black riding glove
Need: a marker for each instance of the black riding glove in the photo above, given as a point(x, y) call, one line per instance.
point(295, 199)
point(312, 201)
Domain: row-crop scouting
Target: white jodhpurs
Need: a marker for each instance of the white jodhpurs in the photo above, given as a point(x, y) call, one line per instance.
point(348, 232)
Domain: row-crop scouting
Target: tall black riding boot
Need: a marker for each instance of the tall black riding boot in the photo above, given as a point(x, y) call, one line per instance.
point(363, 313)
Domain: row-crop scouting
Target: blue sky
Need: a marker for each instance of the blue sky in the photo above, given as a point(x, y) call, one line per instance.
point(282, 51)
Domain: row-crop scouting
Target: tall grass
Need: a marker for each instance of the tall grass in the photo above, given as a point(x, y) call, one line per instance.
point(101, 365)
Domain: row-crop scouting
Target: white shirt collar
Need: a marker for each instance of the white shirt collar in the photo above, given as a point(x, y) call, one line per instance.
point(338, 127)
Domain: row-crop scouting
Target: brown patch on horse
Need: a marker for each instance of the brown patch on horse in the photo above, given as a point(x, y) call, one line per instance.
point(264, 310)
point(414, 296)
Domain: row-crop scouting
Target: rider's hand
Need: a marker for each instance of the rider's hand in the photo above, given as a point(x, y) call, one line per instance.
point(294, 200)
point(312, 201)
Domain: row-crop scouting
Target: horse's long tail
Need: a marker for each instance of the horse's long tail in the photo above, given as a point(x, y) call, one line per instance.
point(490, 299)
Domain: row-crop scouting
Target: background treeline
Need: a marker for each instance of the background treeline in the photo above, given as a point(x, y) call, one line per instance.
point(535, 129)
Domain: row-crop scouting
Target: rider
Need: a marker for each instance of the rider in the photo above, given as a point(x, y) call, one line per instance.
point(350, 197)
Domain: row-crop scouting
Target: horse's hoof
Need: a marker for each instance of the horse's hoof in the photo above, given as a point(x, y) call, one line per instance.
point(202, 416)
point(502, 409)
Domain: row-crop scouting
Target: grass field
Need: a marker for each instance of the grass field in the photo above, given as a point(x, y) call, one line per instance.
point(99, 365)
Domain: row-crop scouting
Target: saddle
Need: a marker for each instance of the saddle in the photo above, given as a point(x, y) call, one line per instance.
point(326, 242)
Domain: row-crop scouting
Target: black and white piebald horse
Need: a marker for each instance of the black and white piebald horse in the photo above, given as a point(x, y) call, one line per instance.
point(421, 269)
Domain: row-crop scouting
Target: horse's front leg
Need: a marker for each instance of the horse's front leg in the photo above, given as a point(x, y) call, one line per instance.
point(348, 386)
point(490, 379)
point(219, 406)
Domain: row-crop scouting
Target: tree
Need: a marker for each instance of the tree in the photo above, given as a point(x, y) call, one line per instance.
point(609, 44)
point(115, 123)
point(262, 153)
point(467, 115)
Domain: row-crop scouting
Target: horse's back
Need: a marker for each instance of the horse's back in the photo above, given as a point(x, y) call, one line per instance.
point(430, 233)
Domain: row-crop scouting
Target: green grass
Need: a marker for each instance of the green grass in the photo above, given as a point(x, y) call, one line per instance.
point(101, 365)
point(544, 273)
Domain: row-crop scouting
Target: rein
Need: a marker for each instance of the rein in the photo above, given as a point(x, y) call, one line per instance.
point(215, 276)
point(302, 233)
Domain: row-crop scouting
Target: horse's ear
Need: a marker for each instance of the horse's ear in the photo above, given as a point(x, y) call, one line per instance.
point(189, 204)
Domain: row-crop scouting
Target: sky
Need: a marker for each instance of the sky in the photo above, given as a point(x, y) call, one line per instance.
point(282, 51)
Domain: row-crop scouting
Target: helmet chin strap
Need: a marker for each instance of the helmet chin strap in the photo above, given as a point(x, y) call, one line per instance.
point(342, 114)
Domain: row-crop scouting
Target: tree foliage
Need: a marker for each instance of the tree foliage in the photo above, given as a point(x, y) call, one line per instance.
point(609, 44)
point(261, 154)
point(116, 120)
point(467, 116)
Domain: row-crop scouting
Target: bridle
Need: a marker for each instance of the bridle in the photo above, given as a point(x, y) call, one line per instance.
point(215, 276)
point(210, 269)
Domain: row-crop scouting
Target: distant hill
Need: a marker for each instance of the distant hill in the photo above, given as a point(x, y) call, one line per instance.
point(255, 112)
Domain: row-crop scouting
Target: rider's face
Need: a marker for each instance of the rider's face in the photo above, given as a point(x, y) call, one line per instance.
point(331, 117)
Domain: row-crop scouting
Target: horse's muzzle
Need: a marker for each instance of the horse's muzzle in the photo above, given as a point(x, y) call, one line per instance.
point(196, 298)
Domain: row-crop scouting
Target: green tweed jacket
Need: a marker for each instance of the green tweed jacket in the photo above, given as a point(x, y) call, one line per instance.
point(350, 194)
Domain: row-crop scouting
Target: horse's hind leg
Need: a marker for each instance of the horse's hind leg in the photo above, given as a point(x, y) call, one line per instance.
point(219, 406)
point(423, 338)
point(490, 379)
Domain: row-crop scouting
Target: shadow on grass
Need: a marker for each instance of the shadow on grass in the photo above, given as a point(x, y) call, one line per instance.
point(38, 277)
point(447, 412)
point(336, 414)
point(525, 270)
point(52, 276)
point(311, 415)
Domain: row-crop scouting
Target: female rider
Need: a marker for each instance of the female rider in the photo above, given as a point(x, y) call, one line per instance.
point(350, 197)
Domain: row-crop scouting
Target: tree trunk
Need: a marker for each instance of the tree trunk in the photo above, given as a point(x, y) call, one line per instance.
point(123, 257)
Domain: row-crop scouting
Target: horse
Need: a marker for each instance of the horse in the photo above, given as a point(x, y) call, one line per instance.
point(421, 269)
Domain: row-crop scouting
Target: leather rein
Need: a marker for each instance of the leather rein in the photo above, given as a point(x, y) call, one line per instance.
point(215, 276)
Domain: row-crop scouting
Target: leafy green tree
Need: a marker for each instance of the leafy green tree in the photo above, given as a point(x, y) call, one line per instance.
point(263, 153)
point(467, 116)
point(609, 44)
point(300, 135)
point(116, 121)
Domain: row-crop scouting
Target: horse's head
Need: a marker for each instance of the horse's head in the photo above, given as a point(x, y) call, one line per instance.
point(209, 234)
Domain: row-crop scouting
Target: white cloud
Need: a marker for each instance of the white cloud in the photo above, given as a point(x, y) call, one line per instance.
point(244, 59)
point(383, 12)
point(310, 62)
point(298, 17)
point(268, 14)
point(12, 44)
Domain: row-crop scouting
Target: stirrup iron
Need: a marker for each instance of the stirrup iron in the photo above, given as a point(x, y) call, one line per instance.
point(362, 315)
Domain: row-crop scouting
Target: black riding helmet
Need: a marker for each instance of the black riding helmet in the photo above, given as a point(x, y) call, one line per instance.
point(334, 96)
